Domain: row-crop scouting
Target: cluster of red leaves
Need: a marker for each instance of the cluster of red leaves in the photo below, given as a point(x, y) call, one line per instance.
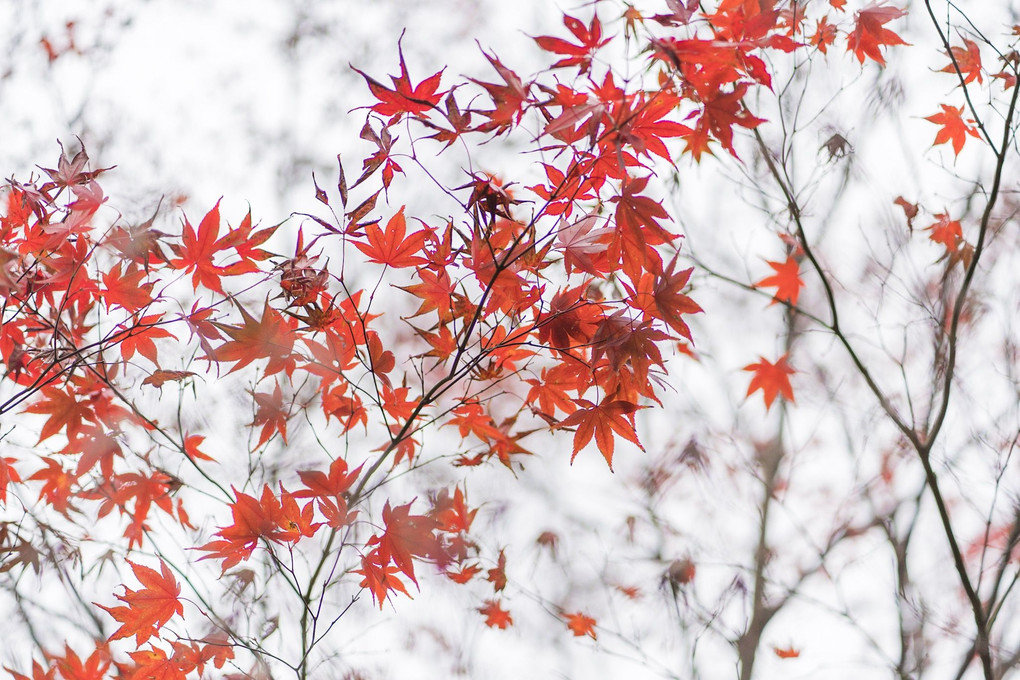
point(572, 298)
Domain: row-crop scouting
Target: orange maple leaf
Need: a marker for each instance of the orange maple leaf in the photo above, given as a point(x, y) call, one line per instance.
point(149, 608)
point(581, 625)
point(946, 231)
point(8, 475)
point(380, 577)
point(65, 412)
point(253, 519)
point(787, 653)
point(496, 616)
point(869, 35)
point(954, 128)
point(771, 379)
point(786, 280)
point(968, 60)
point(406, 536)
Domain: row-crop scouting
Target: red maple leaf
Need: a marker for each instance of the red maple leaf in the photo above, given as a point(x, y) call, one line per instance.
point(435, 291)
point(722, 110)
point(196, 250)
point(56, 489)
point(601, 421)
point(508, 99)
point(786, 280)
point(270, 414)
point(154, 664)
point(497, 575)
point(909, 209)
point(581, 625)
point(771, 379)
point(590, 40)
point(584, 248)
point(869, 33)
point(659, 296)
point(403, 98)
point(271, 337)
point(954, 128)
point(390, 246)
point(495, 615)
point(149, 608)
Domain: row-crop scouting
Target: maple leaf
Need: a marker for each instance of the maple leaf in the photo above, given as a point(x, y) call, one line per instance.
point(720, 112)
point(946, 231)
point(403, 98)
point(65, 412)
point(330, 487)
point(581, 625)
point(380, 577)
point(435, 291)
point(391, 247)
point(659, 296)
point(453, 514)
point(149, 608)
point(158, 377)
point(601, 421)
point(508, 98)
point(909, 209)
point(191, 444)
point(407, 536)
point(786, 280)
point(196, 250)
point(124, 288)
point(824, 35)
point(253, 519)
point(869, 34)
point(771, 379)
point(497, 575)
point(8, 475)
point(56, 489)
point(270, 337)
point(954, 128)
point(590, 40)
point(495, 615)
point(38, 672)
point(139, 335)
point(967, 59)
point(154, 664)
point(271, 415)
point(71, 666)
point(584, 248)
point(786, 653)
